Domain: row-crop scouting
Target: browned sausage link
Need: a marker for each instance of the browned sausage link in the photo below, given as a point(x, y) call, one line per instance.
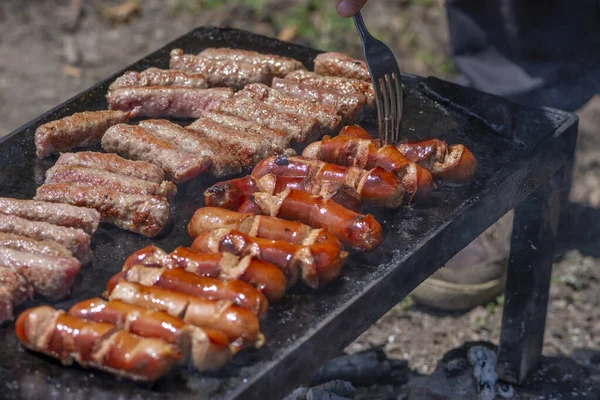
point(149, 256)
point(241, 326)
point(360, 232)
point(376, 187)
point(230, 194)
point(262, 275)
point(364, 153)
point(205, 349)
point(318, 263)
point(95, 344)
point(454, 163)
point(262, 226)
point(240, 293)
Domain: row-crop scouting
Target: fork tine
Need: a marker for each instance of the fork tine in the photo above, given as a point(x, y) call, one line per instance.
point(380, 109)
point(399, 105)
point(393, 111)
point(386, 110)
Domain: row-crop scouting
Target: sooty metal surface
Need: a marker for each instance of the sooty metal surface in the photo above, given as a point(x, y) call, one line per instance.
point(516, 148)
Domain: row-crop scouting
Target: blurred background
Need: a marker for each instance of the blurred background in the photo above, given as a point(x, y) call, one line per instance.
point(52, 49)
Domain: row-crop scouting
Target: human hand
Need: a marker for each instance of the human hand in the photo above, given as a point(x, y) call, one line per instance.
point(347, 8)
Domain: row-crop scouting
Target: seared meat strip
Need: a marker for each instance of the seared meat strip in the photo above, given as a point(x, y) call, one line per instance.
point(326, 115)
point(278, 65)
point(57, 214)
point(97, 177)
point(338, 64)
point(248, 147)
point(50, 276)
point(113, 163)
point(339, 84)
point(75, 240)
point(29, 245)
point(234, 74)
point(349, 106)
point(136, 143)
point(160, 77)
point(142, 214)
point(278, 139)
point(299, 128)
point(78, 130)
point(223, 159)
point(158, 102)
point(14, 290)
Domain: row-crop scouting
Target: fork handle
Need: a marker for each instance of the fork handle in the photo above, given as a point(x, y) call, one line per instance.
point(362, 29)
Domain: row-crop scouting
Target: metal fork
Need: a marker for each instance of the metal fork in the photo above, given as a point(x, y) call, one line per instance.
point(386, 79)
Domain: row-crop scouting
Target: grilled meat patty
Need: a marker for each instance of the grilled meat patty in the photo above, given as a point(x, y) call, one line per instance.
point(351, 107)
point(336, 83)
point(222, 160)
point(98, 177)
point(159, 101)
point(145, 215)
point(299, 128)
point(136, 143)
point(278, 65)
point(78, 130)
point(160, 77)
point(338, 64)
point(50, 276)
point(75, 240)
point(57, 214)
point(113, 163)
point(225, 72)
point(29, 245)
point(326, 115)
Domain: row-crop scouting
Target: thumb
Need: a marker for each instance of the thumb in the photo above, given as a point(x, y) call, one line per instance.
point(347, 8)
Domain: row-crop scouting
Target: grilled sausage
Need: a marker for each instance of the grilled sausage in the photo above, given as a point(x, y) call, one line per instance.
point(94, 344)
point(239, 324)
point(265, 277)
point(178, 279)
point(360, 232)
point(376, 187)
point(317, 263)
point(231, 194)
point(363, 153)
point(205, 349)
point(261, 226)
point(338, 64)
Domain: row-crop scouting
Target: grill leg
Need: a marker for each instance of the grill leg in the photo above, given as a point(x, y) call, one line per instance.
point(528, 278)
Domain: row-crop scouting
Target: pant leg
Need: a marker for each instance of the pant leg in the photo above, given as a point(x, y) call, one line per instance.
point(537, 52)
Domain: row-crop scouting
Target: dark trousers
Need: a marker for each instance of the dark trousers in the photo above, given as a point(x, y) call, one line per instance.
point(536, 52)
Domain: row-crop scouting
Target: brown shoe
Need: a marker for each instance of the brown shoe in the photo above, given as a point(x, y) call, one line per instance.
point(475, 276)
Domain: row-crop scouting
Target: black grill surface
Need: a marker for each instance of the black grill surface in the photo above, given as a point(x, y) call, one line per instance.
point(516, 148)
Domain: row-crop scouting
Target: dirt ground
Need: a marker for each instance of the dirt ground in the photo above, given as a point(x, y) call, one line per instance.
point(51, 50)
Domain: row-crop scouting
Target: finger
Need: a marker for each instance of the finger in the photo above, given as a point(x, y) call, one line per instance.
point(347, 8)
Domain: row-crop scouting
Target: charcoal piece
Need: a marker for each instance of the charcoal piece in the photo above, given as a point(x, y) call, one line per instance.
point(362, 369)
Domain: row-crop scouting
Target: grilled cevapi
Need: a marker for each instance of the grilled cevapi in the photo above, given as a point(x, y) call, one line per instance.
point(57, 214)
point(95, 344)
point(338, 64)
point(160, 77)
point(78, 130)
point(166, 101)
point(360, 232)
